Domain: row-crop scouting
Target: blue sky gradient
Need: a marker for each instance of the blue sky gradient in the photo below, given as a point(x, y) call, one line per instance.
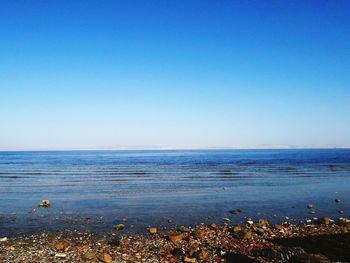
point(178, 74)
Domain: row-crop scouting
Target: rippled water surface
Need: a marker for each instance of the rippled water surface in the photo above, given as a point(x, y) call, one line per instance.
point(96, 189)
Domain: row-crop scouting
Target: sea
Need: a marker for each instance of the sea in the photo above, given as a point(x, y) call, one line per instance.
point(94, 190)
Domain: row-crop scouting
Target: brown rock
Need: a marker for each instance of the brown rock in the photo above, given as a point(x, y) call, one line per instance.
point(242, 234)
point(175, 237)
point(201, 254)
point(236, 228)
point(263, 223)
point(152, 230)
point(106, 258)
point(89, 255)
point(200, 232)
point(60, 246)
point(279, 227)
point(189, 260)
point(213, 226)
point(325, 220)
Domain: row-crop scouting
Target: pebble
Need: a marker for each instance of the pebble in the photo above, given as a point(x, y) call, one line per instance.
point(45, 203)
point(60, 246)
point(60, 255)
point(177, 252)
point(250, 222)
point(89, 255)
point(106, 258)
point(119, 227)
point(279, 227)
point(236, 228)
point(152, 230)
point(325, 220)
point(190, 260)
point(4, 239)
point(200, 232)
point(201, 254)
point(175, 237)
point(242, 234)
point(309, 206)
point(213, 226)
point(263, 223)
point(115, 242)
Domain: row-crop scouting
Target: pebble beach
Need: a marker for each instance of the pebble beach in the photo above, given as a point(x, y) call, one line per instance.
point(322, 240)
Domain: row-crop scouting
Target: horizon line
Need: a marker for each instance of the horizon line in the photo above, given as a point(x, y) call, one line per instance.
point(154, 148)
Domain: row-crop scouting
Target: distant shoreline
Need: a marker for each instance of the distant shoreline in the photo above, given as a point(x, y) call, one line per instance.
point(181, 149)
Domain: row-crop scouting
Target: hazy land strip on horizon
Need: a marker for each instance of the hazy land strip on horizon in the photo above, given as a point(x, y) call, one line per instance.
point(160, 148)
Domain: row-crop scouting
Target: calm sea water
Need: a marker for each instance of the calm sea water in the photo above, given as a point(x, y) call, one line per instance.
point(93, 190)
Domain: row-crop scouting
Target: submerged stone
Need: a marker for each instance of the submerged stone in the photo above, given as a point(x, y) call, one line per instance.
point(44, 203)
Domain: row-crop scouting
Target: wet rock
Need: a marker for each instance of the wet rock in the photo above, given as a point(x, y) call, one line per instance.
point(341, 212)
point(89, 255)
point(119, 227)
point(226, 220)
point(263, 223)
point(60, 255)
point(343, 221)
point(184, 229)
point(242, 234)
point(213, 226)
point(250, 222)
point(200, 255)
point(235, 211)
point(279, 227)
point(175, 237)
point(236, 228)
point(260, 231)
point(200, 232)
point(60, 246)
point(177, 252)
point(106, 258)
point(114, 242)
point(309, 206)
point(152, 230)
point(44, 203)
point(337, 200)
point(324, 220)
point(190, 260)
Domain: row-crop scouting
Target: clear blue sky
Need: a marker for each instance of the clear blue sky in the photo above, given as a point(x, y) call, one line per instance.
point(99, 74)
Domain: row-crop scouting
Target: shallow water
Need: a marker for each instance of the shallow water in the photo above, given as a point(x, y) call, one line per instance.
point(93, 190)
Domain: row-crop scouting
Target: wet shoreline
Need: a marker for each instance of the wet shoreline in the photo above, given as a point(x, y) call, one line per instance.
point(322, 240)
